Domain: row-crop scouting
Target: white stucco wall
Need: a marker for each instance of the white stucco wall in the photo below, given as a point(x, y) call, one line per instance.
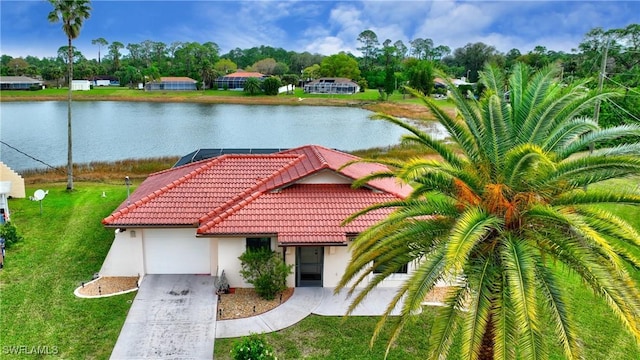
point(17, 182)
point(325, 177)
point(290, 259)
point(229, 249)
point(125, 256)
point(336, 259)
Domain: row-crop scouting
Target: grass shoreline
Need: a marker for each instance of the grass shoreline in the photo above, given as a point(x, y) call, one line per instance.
point(396, 106)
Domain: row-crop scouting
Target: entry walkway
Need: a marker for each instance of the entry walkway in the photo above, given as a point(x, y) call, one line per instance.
point(303, 302)
point(172, 317)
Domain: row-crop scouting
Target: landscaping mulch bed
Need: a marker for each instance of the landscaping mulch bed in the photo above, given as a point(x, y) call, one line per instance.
point(244, 302)
point(109, 285)
point(437, 295)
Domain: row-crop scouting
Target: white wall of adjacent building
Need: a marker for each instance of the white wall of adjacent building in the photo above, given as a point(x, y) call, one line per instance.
point(125, 257)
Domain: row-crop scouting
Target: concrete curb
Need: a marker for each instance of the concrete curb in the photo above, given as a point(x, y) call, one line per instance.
point(76, 292)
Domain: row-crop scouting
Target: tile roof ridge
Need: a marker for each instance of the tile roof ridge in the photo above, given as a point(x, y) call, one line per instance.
point(147, 198)
point(316, 152)
point(248, 195)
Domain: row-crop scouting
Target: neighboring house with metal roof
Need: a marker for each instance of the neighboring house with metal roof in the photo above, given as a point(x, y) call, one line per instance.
point(19, 83)
point(198, 218)
point(172, 83)
point(236, 80)
point(331, 86)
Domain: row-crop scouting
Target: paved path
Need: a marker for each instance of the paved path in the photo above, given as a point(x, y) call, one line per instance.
point(306, 301)
point(172, 317)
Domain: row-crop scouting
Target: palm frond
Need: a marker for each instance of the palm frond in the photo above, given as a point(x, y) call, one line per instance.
point(519, 268)
point(557, 307)
point(503, 323)
point(472, 226)
point(495, 140)
point(567, 132)
point(537, 87)
point(595, 137)
point(608, 281)
point(594, 196)
point(588, 170)
point(414, 292)
point(493, 78)
point(623, 149)
point(446, 323)
point(522, 163)
point(460, 134)
point(425, 139)
point(478, 319)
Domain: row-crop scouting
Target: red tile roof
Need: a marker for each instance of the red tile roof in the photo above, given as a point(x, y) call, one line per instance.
point(301, 213)
point(216, 195)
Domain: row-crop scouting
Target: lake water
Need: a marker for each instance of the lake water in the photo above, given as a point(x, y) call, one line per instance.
point(108, 130)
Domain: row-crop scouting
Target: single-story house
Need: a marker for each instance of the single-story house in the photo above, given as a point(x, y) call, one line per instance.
point(80, 85)
point(331, 86)
point(198, 218)
point(19, 83)
point(105, 80)
point(172, 83)
point(236, 80)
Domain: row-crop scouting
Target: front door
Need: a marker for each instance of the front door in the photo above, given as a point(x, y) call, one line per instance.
point(309, 260)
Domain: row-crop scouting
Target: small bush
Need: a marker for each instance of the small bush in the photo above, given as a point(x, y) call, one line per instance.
point(271, 85)
point(265, 271)
point(252, 347)
point(9, 233)
point(252, 86)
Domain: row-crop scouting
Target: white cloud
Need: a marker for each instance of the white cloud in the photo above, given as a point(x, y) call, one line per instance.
point(329, 45)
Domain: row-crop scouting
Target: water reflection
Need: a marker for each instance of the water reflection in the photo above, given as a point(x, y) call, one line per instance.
point(107, 131)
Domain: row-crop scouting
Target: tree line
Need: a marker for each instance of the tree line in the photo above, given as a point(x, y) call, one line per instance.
point(384, 65)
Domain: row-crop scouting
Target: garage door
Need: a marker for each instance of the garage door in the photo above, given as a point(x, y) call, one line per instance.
point(183, 256)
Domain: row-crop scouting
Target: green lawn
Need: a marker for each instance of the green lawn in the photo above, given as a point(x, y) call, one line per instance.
point(61, 248)
point(369, 95)
point(67, 244)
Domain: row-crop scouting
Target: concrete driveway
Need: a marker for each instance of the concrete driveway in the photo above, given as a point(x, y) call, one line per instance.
point(172, 317)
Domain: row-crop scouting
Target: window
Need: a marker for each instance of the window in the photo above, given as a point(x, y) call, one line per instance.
point(258, 243)
point(402, 270)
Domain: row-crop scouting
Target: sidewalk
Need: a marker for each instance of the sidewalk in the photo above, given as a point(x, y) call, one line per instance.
point(303, 302)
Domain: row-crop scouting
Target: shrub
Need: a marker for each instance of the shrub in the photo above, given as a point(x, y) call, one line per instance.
point(9, 232)
point(265, 271)
point(252, 347)
point(271, 85)
point(252, 86)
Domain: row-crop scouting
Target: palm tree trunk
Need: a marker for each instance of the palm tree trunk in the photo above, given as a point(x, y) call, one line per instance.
point(69, 137)
point(486, 349)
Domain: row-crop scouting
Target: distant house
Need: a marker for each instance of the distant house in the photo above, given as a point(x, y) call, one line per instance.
point(198, 217)
point(172, 83)
point(80, 85)
point(19, 83)
point(105, 81)
point(236, 80)
point(331, 86)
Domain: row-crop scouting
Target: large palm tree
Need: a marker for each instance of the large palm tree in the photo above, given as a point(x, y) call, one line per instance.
point(513, 196)
point(71, 13)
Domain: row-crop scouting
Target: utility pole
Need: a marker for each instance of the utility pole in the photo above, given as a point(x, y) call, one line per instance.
point(603, 69)
point(596, 110)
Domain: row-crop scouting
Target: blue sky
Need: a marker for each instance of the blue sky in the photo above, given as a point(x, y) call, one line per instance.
point(325, 27)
